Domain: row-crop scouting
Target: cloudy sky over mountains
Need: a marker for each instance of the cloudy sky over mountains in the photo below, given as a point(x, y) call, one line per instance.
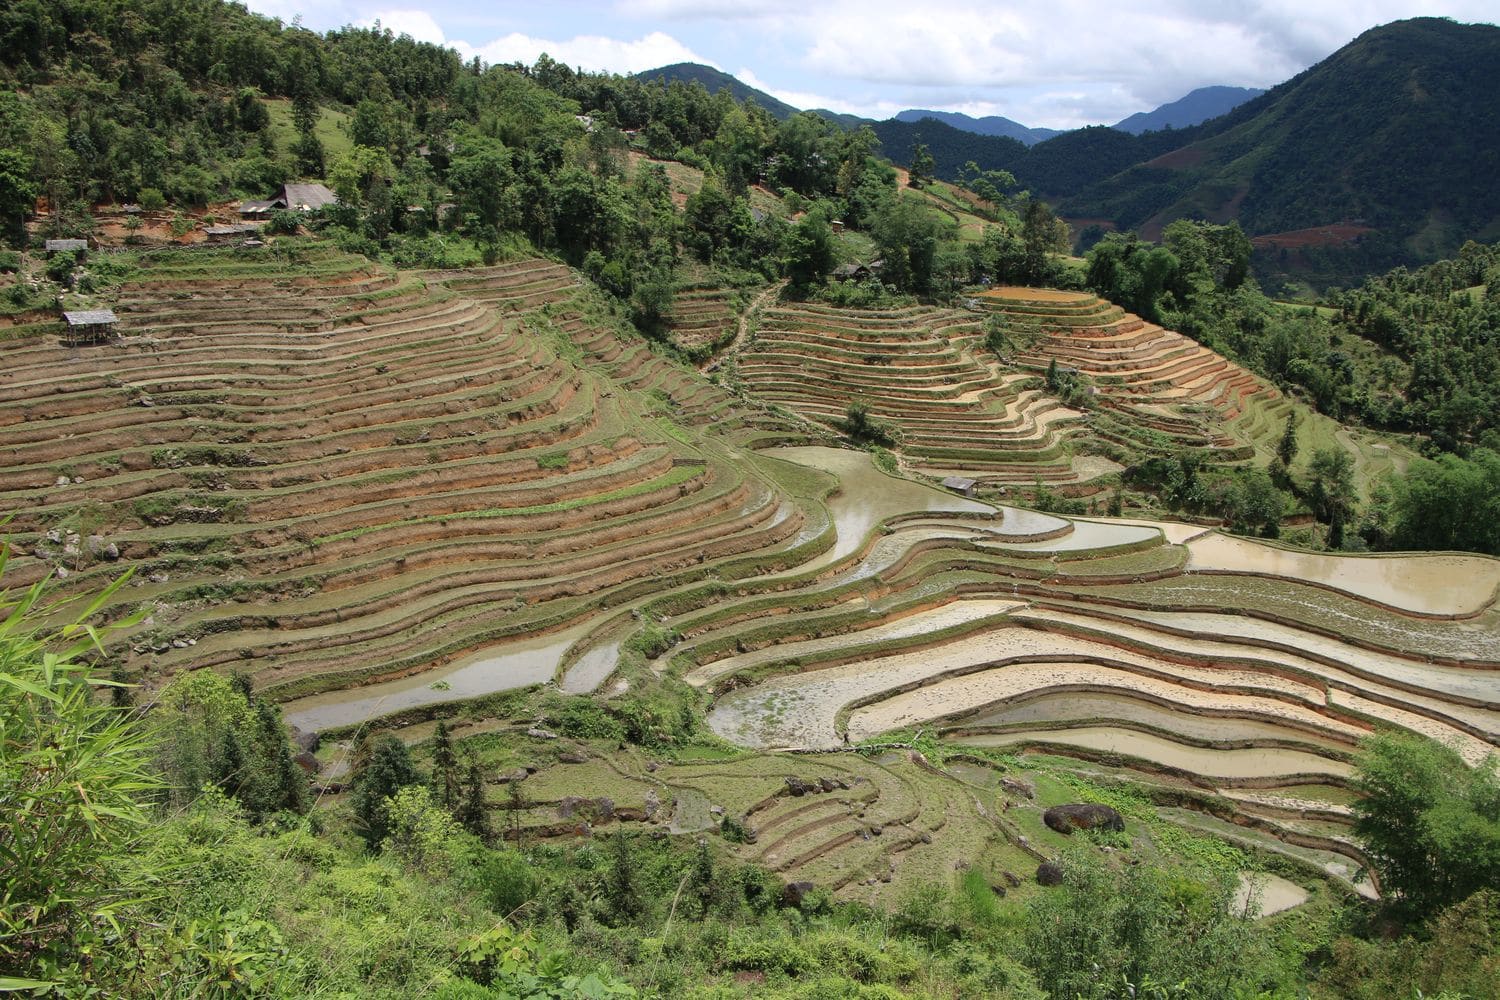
point(1054, 63)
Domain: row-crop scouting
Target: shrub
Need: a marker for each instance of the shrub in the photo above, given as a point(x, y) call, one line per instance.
point(284, 222)
point(507, 881)
point(72, 775)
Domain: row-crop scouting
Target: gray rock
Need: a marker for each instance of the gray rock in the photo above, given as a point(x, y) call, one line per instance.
point(1083, 816)
point(795, 894)
point(1018, 787)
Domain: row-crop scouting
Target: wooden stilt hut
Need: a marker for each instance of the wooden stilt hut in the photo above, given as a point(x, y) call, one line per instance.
point(90, 326)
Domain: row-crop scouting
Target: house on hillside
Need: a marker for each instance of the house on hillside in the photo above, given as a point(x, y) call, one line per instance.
point(296, 197)
point(91, 325)
point(224, 234)
point(859, 272)
point(960, 485)
point(63, 246)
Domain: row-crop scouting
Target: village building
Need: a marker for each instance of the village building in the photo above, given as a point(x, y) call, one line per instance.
point(90, 325)
point(960, 485)
point(63, 246)
point(222, 234)
point(295, 197)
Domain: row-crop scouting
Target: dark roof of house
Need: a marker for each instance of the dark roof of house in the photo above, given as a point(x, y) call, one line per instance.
point(306, 197)
point(90, 317)
point(67, 245)
point(958, 483)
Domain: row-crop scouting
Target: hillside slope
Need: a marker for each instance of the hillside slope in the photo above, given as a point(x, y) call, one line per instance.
point(714, 80)
point(1399, 129)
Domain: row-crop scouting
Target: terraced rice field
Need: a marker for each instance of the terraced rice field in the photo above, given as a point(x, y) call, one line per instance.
point(703, 318)
point(1155, 381)
point(328, 474)
point(1106, 642)
point(918, 369)
point(384, 493)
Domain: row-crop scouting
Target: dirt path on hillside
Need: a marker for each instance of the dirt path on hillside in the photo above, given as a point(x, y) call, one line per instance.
point(742, 330)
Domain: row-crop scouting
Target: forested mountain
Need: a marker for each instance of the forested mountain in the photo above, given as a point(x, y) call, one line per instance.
point(988, 125)
point(1194, 109)
point(714, 80)
point(1399, 131)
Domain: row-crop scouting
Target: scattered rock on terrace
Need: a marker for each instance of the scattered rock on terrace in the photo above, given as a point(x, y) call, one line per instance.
point(1083, 816)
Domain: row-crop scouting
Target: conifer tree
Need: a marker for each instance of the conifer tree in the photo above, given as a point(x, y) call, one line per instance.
point(470, 810)
point(445, 780)
point(390, 769)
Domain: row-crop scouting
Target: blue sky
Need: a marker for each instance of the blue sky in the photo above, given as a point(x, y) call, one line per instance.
point(1053, 63)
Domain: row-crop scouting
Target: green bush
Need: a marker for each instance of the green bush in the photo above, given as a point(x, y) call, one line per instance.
point(507, 881)
point(582, 718)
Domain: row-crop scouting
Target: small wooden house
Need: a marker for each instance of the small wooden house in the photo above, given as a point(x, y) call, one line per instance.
point(958, 484)
point(90, 325)
point(63, 246)
point(225, 234)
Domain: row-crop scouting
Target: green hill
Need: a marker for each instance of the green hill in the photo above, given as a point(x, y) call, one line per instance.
point(1398, 131)
point(714, 80)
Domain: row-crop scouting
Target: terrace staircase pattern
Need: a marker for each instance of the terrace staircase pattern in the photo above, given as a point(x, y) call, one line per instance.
point(1154, 380)
point(920, 370)
point(325, 472)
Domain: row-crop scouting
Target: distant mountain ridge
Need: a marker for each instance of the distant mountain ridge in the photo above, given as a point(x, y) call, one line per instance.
point(1194, 109)
point(1396, 136)
point(988, 125)
point(1397, 132)
point(714, 80)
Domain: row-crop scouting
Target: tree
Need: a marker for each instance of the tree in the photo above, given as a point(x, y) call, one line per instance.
point(923, 166)
point(1041, 240)
point(1331, 491)
point(389, 770)
point(473, 813)
point(1286, 449)
point(1104, 933)
point(445, 778)
point(356, 172)
point(484, 182)
point(702, 878)
point(1448, 503)
point(862, 427)
point(1430, 823)
point(809, 251)
point(622, 893)
point(17, 193)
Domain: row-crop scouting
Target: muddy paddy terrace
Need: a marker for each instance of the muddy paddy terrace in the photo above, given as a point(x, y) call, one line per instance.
point(393, 497)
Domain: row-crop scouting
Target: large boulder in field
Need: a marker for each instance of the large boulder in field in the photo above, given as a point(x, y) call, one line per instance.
point(1083, 816)
point(794, 894)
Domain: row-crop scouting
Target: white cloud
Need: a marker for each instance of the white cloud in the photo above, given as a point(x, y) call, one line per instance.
point(806, 100)
point(592, 52)
point(1094, 61)
point(417, 23)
